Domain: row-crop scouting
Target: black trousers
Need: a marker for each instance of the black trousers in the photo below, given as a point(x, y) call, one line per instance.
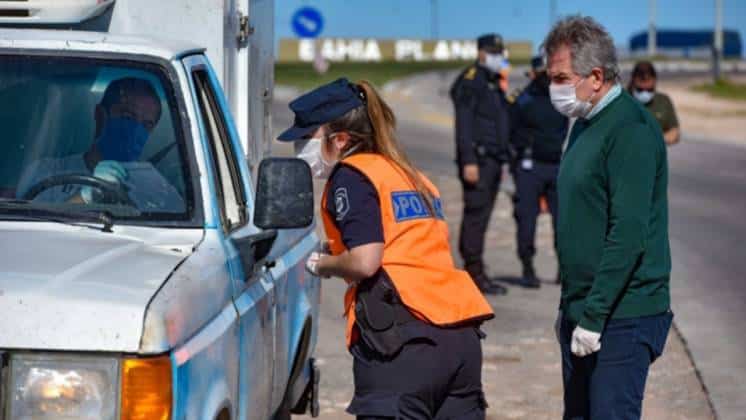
point(479, 200)
point(439, 377)
point(530, 185)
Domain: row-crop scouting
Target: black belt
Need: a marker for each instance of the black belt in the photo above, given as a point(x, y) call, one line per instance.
point(380, 314)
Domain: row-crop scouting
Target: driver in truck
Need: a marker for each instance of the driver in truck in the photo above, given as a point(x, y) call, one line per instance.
point(124, 119)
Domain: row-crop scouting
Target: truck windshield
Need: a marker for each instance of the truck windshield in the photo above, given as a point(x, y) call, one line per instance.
point(84, 135)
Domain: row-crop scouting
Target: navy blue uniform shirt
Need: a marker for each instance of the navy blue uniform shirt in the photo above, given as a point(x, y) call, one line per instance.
point(536, 124)
point(353, 203)
point(481, 111)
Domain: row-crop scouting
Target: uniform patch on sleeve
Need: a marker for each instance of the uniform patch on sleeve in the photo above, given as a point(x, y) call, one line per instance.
point(471, 73)
point(409, 205)
point(341, 203)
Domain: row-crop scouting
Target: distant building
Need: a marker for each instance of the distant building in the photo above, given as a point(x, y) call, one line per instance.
point(687, 44)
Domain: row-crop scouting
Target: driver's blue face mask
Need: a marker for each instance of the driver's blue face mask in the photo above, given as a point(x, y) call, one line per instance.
point(123, 139)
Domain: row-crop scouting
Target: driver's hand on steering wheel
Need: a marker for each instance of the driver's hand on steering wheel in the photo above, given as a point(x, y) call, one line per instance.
point(106, 170)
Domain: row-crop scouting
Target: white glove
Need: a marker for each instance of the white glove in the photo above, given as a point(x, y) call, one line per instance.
point(585, 342)
point(106, 170)
point(312, 264)
point(558, 326)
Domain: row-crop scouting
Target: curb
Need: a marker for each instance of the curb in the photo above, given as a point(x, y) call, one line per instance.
point(697, 371)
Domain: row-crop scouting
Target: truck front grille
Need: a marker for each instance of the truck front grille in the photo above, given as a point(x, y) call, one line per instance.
point(15, 13)
point(3, 381)
point(3, 377)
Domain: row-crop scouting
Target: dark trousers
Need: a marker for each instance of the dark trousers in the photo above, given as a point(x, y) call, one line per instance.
point(430, 378)
point(479, 200)
point(530, 185)
point(609, 384)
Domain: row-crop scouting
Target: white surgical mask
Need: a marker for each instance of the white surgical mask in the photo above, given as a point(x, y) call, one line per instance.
point(311, 153)
point(566, 102)
point(494, 62)
point(644, 96)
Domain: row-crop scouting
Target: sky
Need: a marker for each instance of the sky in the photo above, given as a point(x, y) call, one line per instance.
point(513, 19)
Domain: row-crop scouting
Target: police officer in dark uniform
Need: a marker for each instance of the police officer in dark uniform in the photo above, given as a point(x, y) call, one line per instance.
point(537, 134)
point(482, 130)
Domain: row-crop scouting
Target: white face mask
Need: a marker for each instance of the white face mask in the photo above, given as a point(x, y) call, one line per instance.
point(566, 102)
point(494, 62)
point(311, 153)
point(644, 96)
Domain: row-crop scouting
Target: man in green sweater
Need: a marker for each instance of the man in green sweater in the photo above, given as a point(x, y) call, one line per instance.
point(612, 231)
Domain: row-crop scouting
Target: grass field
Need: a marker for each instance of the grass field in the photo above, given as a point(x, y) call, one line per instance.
point(303, 76)
point(724, 89)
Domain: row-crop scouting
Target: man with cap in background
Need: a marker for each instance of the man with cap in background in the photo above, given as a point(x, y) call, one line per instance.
point(537, 132)
point(481, 150)
point(643, 87)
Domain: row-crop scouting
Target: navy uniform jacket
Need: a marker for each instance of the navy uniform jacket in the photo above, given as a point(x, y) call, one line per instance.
point(536, 124)
point(482, 121)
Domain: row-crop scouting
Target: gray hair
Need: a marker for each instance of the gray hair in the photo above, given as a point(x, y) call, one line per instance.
point(590, 45)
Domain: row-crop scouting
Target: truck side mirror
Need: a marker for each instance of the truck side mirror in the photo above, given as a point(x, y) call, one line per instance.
point(284, 194)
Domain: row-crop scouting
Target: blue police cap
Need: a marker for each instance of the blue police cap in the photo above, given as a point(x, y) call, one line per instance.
point(490, 42)
point(320, 106)
point(538, 63)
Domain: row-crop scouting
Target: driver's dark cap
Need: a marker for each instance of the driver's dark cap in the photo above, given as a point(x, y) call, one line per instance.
point(492, 43)
point(320, 106)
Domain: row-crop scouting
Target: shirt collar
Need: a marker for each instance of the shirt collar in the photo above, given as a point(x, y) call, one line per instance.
point(612, 94)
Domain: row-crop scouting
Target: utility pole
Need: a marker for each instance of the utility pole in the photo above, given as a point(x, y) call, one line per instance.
point(552, 12)
point(652, 33)
point(434, 20)
point(717, 53)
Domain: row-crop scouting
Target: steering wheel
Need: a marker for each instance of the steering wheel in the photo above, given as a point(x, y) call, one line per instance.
point(112, 193)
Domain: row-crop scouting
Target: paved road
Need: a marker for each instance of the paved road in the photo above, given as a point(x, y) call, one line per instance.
point(707, 204)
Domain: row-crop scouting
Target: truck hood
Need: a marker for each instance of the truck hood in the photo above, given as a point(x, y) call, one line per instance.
point(72, 288)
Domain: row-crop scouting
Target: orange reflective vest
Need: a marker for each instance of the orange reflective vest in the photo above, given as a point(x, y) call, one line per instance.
point(416, 253)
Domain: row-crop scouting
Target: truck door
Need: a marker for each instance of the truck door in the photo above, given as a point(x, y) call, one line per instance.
point(254, 291)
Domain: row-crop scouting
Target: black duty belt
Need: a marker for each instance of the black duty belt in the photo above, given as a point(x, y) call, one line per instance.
point(379, 315)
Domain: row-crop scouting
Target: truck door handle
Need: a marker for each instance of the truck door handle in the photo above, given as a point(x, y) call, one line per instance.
point(254, 249)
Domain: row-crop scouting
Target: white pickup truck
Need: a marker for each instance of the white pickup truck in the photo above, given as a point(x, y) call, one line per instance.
point(143, 274)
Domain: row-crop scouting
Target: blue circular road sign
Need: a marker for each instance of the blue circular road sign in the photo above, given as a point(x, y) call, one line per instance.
point(307, 22)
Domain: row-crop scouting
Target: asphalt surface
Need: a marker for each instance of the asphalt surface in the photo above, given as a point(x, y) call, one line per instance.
point(707, 201)
point(707, 196)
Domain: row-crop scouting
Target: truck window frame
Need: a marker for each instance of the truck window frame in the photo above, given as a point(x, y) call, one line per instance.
point(203, 86)
point(170, 82)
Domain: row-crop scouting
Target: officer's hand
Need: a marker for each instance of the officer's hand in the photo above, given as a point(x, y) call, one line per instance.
point(107, 170)
point(471, 173)
point(312, 264)
point(585, 342)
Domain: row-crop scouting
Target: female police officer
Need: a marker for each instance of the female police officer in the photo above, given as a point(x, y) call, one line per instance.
point(412, 317)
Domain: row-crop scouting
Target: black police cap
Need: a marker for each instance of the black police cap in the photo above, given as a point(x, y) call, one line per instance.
point(490, 42)
point(538, 63)
point(320, 106)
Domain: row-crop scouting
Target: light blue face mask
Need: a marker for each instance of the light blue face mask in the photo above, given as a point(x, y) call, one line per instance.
point(123, 140)
point(644, 96)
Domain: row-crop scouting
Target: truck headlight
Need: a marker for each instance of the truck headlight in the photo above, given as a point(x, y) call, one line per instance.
point(63, 387)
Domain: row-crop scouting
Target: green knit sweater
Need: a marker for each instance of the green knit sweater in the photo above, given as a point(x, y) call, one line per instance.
point(612, 231)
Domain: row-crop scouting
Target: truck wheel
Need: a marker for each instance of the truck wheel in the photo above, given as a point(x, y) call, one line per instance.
point(283, 413)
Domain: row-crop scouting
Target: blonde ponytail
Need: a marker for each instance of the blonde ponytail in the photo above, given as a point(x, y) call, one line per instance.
point(383, 124)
